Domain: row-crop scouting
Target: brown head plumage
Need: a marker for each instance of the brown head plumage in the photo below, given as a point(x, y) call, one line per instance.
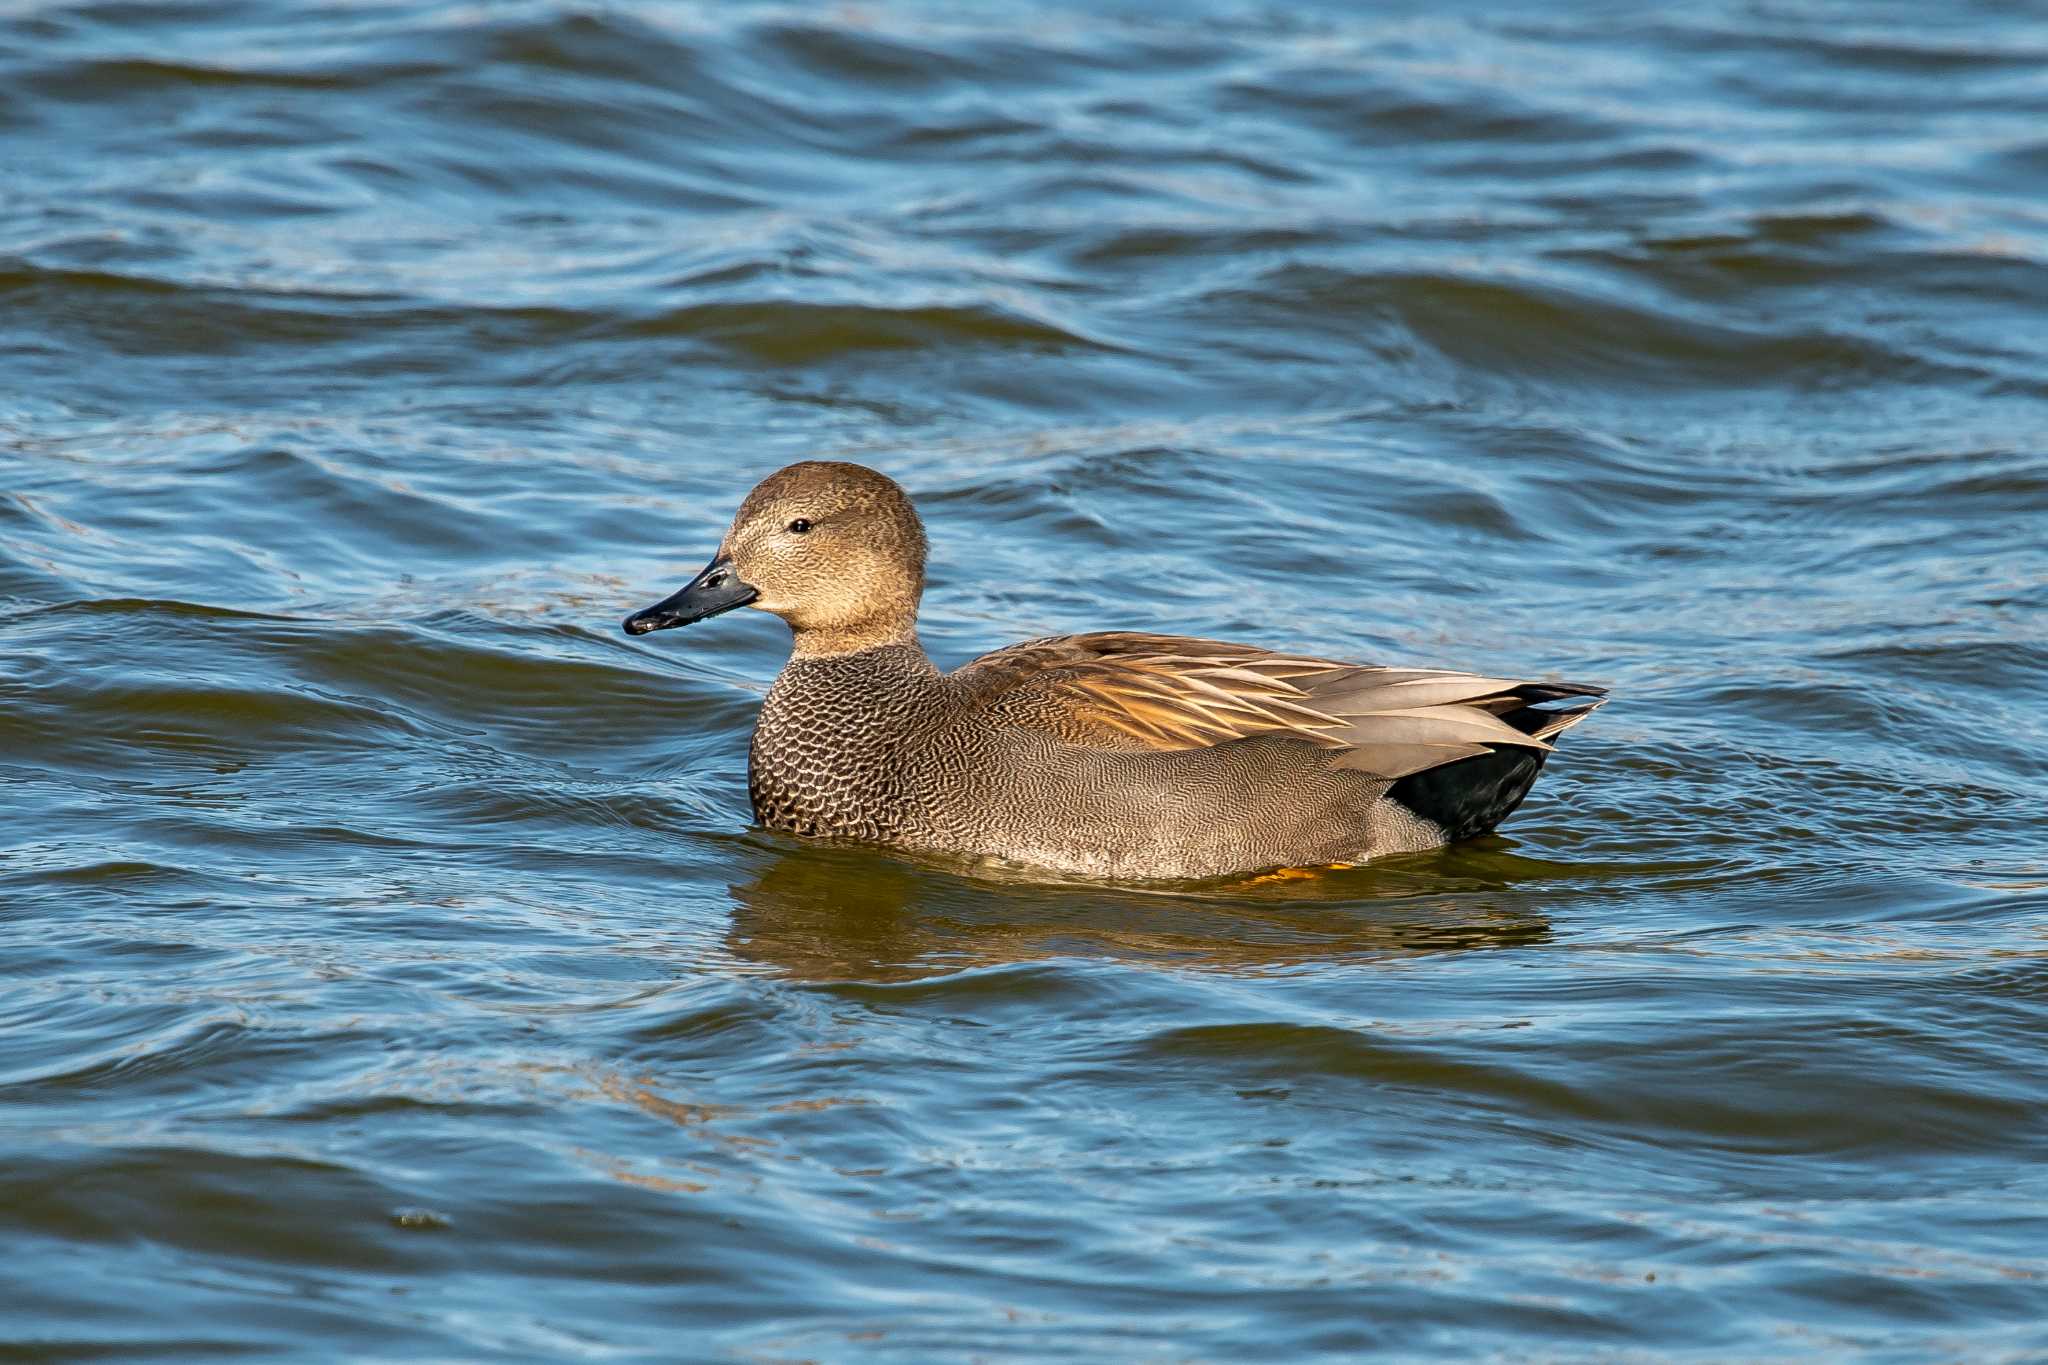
point(834, 549)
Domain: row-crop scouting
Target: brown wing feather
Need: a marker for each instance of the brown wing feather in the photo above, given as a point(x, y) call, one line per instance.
point(1123, 690)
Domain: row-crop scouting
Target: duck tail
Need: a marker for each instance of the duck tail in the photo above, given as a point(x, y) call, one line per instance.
point(1469, 796)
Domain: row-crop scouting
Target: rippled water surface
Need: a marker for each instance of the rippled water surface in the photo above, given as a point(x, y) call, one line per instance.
point(390, 969)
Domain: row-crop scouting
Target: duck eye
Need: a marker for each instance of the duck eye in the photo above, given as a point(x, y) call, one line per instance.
point(800, 525)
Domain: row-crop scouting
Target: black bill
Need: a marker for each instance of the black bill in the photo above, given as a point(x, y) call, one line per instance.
point(716, 589)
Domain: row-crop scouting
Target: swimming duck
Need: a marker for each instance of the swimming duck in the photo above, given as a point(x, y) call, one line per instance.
point(1118, 755)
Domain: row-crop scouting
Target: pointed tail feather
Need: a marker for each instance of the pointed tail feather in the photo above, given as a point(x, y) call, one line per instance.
point(1470, 796)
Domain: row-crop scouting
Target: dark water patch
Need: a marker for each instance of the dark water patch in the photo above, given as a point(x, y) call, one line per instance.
point(1578, 164)
point(1883, 48)
point(2028, 158)
point(911, 61)
point(619, 45)
point(141, 78)
point(1361, 105)
point(187, 1199)
point(1494, 324)
point(197, 721)
point(153, 316)
point(1549, 334)
point(788, 334)
point(1995, 666)
point(146, 607)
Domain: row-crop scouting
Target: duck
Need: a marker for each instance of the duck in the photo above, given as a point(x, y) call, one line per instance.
point(1117, 755)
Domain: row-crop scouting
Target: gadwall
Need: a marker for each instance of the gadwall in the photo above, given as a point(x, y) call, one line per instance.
point(1117, 755)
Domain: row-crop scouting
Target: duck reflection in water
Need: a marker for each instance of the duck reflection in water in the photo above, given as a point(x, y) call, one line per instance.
point(855, 913)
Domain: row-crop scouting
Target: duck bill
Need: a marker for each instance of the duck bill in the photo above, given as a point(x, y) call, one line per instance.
point(716, 589)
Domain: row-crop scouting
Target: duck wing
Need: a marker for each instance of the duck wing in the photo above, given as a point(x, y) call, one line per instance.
point(1125, 690)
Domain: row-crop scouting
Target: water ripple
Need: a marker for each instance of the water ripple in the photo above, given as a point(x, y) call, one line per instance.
point(391, 965)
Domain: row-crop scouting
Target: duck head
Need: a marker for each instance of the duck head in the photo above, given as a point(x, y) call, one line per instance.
point(836, 550)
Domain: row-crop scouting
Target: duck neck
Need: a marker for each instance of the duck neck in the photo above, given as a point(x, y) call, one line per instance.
point(822, 642)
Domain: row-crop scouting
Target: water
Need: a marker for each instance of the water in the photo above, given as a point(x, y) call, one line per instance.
point(390, 970)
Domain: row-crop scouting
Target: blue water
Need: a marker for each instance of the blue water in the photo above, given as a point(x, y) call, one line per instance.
point(390, 970)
